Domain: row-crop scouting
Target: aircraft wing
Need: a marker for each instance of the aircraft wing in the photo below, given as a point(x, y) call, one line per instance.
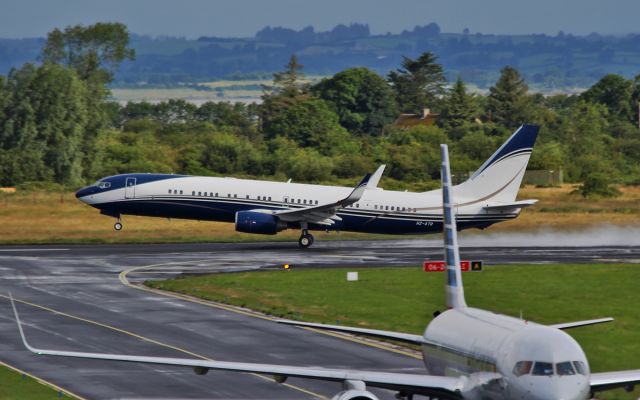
point(612, 380)
point(325, 214)
point(423, 384)
point(577, 324)
point(402, 337)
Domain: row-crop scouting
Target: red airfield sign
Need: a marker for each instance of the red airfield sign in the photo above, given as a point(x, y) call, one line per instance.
point(439, 266)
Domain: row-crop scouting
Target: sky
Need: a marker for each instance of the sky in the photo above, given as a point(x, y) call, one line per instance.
point(243, 18)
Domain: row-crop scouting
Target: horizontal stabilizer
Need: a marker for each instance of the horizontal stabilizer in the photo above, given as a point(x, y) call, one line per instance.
point(577, 324)
point(402, 337)
point(510, 206)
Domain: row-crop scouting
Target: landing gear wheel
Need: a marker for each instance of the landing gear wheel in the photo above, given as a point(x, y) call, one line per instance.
point(305, 240)
point(117, 226)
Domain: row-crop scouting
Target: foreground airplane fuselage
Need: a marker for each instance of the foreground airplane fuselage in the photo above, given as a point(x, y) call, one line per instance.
point(505, 357)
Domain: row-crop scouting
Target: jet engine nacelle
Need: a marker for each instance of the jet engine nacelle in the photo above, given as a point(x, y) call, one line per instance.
point(257, 222)
point(354, 395)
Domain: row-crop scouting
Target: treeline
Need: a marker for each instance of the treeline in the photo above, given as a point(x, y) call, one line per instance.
point(57, 125)
point(546, 61)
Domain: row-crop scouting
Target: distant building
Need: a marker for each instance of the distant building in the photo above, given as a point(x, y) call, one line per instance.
point(7, 190)
point(427, 118)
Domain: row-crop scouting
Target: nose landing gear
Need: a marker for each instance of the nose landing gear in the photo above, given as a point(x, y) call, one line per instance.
point(118, 225)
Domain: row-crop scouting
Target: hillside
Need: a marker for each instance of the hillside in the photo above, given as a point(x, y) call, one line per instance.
point(549, 63)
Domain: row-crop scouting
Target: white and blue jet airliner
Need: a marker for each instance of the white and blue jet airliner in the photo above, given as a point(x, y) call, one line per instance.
point(267, 207)
point(469, 353)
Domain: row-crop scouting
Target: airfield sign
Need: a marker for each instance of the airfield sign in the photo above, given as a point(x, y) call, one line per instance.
point(440, 266)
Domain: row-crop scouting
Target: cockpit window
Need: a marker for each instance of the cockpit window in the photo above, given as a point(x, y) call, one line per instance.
point(581, 368)
point(565, 368)
point(542, 369)
point(104, 185)
point(522, 368)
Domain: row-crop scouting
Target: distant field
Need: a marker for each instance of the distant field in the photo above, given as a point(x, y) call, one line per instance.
point(403, 299)
point(188, 94)
point(45, 217)
point(15, 386)
point(226, 90)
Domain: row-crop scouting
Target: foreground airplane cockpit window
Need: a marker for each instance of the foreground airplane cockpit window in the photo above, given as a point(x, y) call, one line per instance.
point(565, 368)
point(581, 368)
point(542, 369)
point(104, 185)
point(522, 368)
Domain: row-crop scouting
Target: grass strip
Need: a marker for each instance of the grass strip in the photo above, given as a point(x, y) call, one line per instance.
point(18, 386)
point(403, 299)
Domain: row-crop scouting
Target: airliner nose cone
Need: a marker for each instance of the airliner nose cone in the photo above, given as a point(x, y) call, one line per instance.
point(84, 192)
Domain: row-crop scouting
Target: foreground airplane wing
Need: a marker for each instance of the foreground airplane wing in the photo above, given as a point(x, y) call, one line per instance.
point(577, 324)
point(612, 380)
point(423, 384)
point(402, 337)
point(325, 214)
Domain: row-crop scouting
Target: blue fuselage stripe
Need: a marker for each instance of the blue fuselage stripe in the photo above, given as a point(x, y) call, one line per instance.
point(224, 209)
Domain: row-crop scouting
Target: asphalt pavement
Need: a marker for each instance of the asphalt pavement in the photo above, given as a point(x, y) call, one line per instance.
point(79, 298)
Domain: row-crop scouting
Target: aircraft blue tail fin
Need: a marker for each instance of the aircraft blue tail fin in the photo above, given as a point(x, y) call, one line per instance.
point(455, 290)
point(498, 179)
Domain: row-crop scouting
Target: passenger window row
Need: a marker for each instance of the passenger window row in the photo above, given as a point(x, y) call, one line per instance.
point(217, 194)
point(301, 201)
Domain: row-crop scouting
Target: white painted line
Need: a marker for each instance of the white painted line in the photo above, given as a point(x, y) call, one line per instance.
point(27, 250)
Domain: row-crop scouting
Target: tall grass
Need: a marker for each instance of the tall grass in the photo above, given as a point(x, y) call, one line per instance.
point(58, 217)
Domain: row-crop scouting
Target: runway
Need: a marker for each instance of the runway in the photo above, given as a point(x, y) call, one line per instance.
point(73, 298)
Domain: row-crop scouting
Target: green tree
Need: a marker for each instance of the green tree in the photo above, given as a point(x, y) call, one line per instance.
point(507, 102)
point(310, 123)
point(459, 107)
point(419, 83)
point(94, 51)
point(362, 99)
point(615, 92)
point(44, 124)
point(635, 99)
point(285, 92)
point(290, 82)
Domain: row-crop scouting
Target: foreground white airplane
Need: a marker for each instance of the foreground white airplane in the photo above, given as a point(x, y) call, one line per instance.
point(469, 353)
point(266, 207)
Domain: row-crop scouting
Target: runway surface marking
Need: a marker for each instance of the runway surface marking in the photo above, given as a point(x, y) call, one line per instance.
point(42, 381)
point(125, 281)
point(149, 340)
point(29, 250)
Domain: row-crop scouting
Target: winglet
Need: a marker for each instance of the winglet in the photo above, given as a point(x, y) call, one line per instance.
point(375, 178)
point(455, 290)
point(24, 339)
point(357, 192)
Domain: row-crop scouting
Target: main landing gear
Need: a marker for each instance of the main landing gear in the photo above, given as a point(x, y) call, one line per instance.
point(118, 225)
point(306, 239)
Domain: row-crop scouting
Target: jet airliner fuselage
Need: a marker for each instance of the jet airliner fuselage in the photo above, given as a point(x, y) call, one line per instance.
point(267, 207)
